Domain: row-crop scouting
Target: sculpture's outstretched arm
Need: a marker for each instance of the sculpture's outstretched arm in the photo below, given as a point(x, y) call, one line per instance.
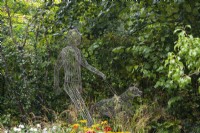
point(85, 64)
point(58, 66)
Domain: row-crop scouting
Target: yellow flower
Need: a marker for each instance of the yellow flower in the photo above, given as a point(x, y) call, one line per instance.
point(119, 132)
point(104, 122)
point(95, 125)
point(85, 129)
point(83, 121)
point(89, 129)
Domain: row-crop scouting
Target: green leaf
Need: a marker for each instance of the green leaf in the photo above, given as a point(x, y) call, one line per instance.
point(177, 30)
point(188, 8)
point(118, 49)
point(162, 39)
point(129, 68)
point(188, 26)
point(199, 89)
point(173, 100)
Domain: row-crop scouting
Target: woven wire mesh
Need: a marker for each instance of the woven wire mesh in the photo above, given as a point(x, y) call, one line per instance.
point(71, 59)
point(111, 106)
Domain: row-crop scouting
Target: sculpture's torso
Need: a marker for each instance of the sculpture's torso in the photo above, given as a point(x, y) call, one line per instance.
point(71, 61)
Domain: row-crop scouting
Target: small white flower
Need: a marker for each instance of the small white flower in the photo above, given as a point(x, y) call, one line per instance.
point(54, 127)
point(6, 131)
point(33, 129)
point(21, 126)
point(44, 130)
point(17, 129)
point(38, 126)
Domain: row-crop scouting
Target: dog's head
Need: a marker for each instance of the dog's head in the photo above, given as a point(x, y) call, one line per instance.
point(135, 91)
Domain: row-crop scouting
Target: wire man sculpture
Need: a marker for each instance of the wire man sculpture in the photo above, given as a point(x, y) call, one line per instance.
point(112, 106)
point(71, 59)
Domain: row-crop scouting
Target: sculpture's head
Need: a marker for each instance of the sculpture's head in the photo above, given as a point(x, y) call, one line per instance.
point(74, 37)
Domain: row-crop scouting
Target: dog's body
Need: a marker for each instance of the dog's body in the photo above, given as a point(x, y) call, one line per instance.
point(111, 106)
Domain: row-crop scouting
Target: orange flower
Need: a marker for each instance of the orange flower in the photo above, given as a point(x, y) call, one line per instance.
point(75, 126)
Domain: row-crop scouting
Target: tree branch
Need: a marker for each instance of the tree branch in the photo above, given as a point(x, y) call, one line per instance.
point(10, 22)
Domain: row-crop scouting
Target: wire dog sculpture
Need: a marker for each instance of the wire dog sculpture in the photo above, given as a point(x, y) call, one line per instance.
point(71, 59)
point(111, 106)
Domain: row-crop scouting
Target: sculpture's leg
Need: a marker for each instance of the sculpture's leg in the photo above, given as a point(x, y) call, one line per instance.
point(79, 103)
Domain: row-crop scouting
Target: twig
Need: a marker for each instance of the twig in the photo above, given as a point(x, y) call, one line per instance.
point(10, 22)
point(197, 72)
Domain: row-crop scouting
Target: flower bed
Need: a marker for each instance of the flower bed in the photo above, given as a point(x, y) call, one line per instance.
point(79, 127)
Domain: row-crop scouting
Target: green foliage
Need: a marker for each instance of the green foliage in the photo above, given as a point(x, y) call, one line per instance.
point(185, 63)
point(152, 44)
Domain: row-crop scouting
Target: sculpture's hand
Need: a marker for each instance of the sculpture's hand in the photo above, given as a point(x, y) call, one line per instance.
point(104, 76)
